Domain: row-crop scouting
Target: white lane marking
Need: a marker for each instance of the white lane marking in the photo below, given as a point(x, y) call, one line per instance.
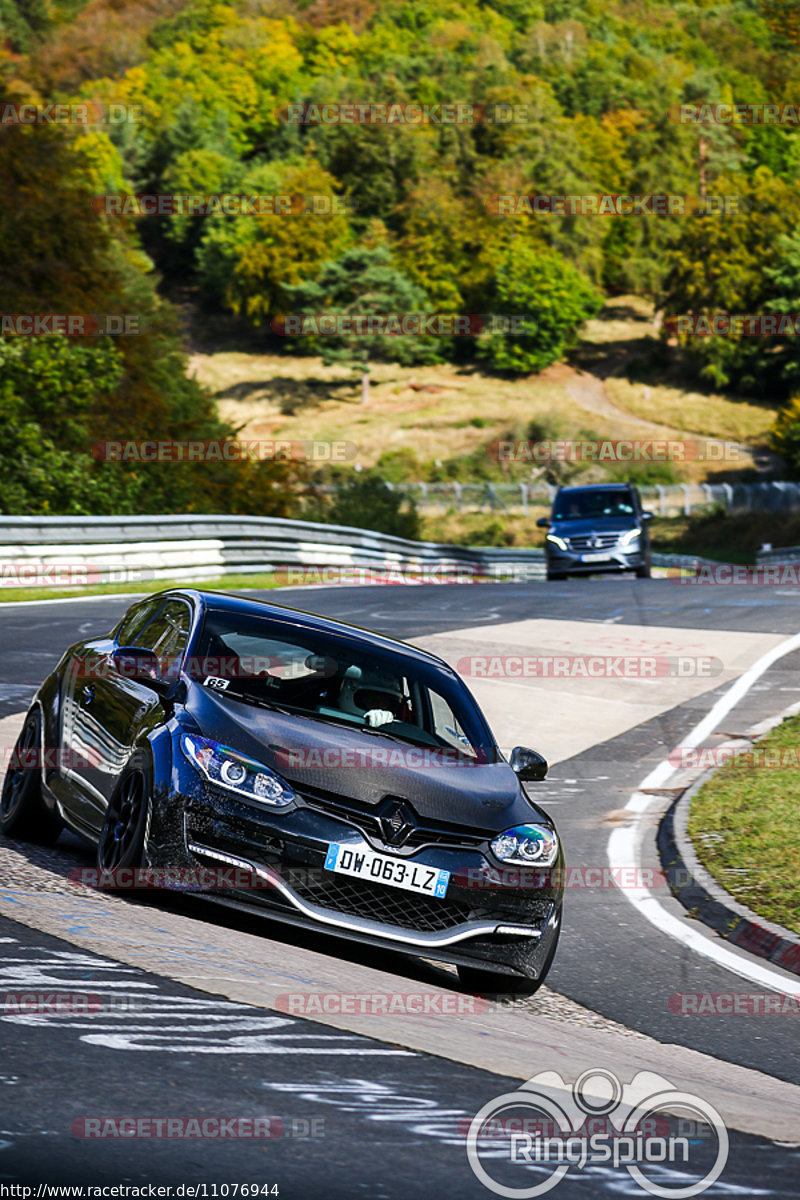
point(176, 1025)
point(624, 843)
point(388, 1102)
point(259, 1044)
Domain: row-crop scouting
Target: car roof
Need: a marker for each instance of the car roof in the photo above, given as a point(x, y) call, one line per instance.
point(229, 602)
point(599, 487)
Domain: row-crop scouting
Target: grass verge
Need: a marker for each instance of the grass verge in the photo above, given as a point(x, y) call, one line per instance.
point(743, 824)
point(224, 583)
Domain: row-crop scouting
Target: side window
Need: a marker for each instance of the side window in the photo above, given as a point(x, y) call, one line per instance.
point(166, 634)
point(135, 621)
point(446, 726)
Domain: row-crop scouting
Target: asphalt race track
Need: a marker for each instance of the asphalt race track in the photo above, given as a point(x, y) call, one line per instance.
point(393, 1099)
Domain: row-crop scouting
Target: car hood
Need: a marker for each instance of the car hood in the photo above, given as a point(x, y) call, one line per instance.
point(365, 767)
point(584, 525)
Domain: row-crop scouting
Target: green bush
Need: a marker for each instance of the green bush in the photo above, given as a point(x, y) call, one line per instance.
point(365, 501)
point(552, 299)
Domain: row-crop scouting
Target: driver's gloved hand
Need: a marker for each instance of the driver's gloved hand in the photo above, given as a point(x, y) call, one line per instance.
point(378, 716)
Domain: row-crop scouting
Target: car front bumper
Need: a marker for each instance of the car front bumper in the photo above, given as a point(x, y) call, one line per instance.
point(273, 861)
point(574, 562)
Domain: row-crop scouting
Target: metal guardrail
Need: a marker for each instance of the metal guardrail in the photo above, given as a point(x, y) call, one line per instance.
point(130, 549)
point(784, 554)
point(666, 500)
point(82, 550)
point(683, 561)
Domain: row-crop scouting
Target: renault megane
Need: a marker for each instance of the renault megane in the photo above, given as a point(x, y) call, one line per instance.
point(317, 772)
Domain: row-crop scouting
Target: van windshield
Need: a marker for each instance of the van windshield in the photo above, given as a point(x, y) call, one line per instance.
point(578, 505)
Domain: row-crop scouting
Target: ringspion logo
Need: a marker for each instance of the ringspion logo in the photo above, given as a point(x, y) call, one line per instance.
point(668, 1142)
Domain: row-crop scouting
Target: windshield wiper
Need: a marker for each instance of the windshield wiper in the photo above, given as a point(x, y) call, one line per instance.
point(381, 731)
point(378, 729)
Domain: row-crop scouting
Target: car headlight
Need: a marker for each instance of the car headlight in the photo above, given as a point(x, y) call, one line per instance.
point(557, 541)
point(229, 769)
point(536, 844)
point(627, 539)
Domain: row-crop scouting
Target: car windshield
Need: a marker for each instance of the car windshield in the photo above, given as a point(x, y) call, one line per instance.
point(580, 505)
point(318, 675)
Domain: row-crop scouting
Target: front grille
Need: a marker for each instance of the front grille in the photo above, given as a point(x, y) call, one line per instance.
point(363, 816)
point(593, 541)
point(407, 910)
point(339, 806)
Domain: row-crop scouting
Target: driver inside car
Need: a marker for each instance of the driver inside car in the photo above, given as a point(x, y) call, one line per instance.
point(375, 697)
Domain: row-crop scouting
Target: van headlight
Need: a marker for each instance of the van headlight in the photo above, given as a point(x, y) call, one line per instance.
point(627, 539)
point(530, 844)
point(229, 769)
point(557, 541)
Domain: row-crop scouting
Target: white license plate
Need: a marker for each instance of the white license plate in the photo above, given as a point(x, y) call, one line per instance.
point(595, 557)
point(348, 859)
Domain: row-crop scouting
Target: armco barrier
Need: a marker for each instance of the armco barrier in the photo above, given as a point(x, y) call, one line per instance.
point(131, 549)
point(127, 549)
point(784, 554)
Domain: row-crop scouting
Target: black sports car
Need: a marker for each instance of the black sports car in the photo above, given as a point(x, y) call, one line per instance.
point(322, 774)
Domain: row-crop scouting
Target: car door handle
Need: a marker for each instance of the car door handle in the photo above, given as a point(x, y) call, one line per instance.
point(88, 694)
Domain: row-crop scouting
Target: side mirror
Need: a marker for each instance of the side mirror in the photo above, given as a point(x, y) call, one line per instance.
point(543, 522)
point(135, 662)
point(527, 764)
point(647, 516)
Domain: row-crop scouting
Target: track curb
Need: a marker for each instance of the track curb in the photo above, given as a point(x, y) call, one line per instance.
point(705, 900)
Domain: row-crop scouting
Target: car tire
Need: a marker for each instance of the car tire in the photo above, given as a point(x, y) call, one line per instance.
point(121, 843)
point(492, 983)
point(23, 813)
point(557, 575)
point(643, 572)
